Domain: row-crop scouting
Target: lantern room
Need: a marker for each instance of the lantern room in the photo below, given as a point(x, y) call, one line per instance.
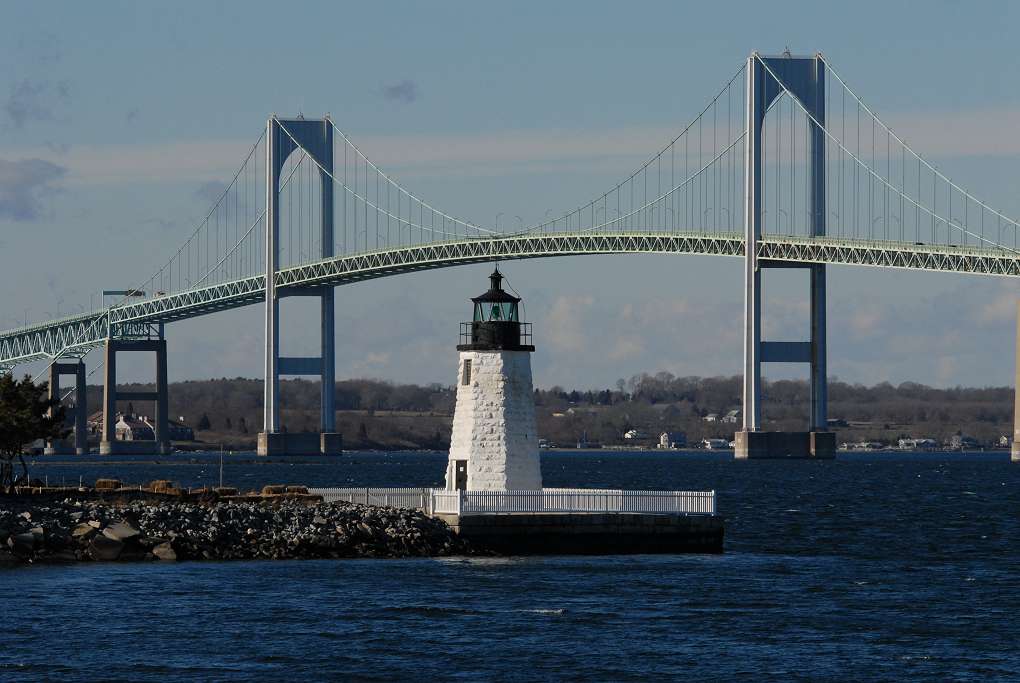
point(496, 321)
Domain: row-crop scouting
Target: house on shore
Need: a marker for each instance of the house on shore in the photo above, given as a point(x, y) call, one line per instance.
point(673, 440)
point(131, 427)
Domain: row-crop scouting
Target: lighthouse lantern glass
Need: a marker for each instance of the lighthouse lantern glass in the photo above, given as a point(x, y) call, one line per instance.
point(495, 311)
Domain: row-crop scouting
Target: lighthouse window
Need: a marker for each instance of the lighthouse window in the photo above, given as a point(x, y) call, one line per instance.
point(466, 376)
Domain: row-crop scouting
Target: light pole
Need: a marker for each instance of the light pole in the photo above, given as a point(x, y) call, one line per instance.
point(497, 220)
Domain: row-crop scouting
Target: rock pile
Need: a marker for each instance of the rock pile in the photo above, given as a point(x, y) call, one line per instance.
point(80, 530)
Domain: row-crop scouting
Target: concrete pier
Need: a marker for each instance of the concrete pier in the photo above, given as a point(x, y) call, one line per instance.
point(782, 445)
point(302, 443)
point(585, 533)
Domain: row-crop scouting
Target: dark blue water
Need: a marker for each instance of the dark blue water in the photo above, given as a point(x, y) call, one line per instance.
point(872, 567)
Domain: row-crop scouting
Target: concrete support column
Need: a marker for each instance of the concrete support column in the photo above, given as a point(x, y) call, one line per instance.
point(752, 232)
point(53, 388)
point(819, 381)
point(816, 146)
point(327, 422)
point(81, 411)
point(271, 388)
point(1014, 453)
point(109, 432)
point(53, 394)
point(162, 416)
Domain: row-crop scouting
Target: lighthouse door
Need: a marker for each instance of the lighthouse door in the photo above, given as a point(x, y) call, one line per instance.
point(460, 482)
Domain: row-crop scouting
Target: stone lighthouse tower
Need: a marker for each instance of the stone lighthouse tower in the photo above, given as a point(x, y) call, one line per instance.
point(494, 446)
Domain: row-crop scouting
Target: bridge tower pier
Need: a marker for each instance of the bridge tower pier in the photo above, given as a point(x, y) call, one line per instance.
point(80, 410)
point(316, 138)
point(109, 445)
point(804, 78)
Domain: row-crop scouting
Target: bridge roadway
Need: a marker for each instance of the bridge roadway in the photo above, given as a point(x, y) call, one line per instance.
point(75, 335)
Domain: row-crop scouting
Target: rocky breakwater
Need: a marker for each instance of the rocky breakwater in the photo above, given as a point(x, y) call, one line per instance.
point(73, 530)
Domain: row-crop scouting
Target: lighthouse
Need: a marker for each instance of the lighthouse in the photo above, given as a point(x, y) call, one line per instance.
point(494, 446)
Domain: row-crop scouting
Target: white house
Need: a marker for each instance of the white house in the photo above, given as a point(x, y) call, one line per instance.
point(918, 444)
point(130, 428)
point(672, 440)
point(732, 417)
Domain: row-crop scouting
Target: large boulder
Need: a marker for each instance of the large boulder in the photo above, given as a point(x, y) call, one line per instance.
point(83, 531)
point(104, 548)
point(124, 530)
point(165, 552)
point(23, 545)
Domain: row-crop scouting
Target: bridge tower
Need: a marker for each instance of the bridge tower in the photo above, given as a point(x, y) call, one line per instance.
point(315, 136)
point(80, 410)
point(804, 78)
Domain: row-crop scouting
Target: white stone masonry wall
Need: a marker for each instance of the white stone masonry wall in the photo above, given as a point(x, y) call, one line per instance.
point(494, 423)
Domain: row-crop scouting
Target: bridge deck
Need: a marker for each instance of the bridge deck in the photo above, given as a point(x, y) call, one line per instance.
point(75, 335)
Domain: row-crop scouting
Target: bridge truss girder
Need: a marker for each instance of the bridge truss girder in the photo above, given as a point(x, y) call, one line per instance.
point(76, 335)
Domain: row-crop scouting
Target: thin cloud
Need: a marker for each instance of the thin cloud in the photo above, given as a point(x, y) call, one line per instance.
point(508, 152)
point(41, 48)
point(211, 190)
point(161, 224)
point(26, 185)
point(404, 92)
point(35, 101)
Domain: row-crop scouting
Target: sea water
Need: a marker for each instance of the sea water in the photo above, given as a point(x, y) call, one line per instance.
point(869, 567)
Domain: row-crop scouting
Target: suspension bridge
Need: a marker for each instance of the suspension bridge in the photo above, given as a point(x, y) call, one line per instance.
point(785, 167)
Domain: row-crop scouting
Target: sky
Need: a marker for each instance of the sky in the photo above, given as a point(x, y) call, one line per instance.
point(116, 118)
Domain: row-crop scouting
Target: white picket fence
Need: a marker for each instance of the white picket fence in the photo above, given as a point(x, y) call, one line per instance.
point(545, 500)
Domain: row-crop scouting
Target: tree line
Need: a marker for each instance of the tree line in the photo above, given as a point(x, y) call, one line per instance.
point(376, 413)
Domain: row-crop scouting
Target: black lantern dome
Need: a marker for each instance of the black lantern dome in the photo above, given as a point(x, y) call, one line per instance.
point(496, 324)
